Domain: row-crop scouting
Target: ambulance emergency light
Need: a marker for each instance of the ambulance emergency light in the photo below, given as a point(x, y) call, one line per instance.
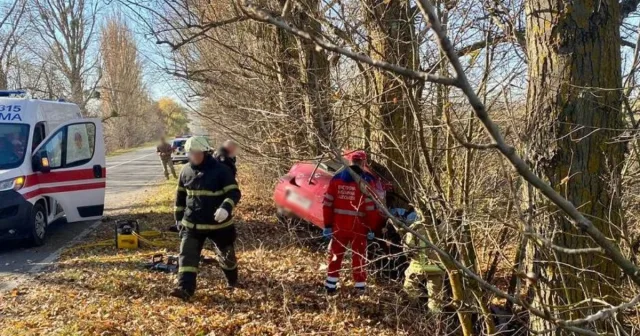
point(11, 93)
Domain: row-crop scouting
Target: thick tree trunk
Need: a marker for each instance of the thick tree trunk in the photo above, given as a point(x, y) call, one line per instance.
point(314, 78)
point(303, 74)
point(393, 140)
point(574, 107)
point(287, 58)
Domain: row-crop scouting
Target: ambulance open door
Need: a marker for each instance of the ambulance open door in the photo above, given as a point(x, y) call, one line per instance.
point(69, 167)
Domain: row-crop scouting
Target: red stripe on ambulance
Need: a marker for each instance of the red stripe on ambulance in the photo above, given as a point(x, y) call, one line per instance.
point(67, 188)
point(64, 176)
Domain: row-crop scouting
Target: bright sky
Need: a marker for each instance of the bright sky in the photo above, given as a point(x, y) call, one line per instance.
point(158, 84)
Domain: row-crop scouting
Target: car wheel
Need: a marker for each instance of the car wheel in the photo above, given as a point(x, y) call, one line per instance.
point(38, 225)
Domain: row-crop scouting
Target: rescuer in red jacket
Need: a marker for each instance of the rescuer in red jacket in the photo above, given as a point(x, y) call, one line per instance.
point(348, 217)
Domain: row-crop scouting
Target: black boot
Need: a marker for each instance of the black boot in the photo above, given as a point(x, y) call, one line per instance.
point(181, 294)
point(232, 278)
point(186, 286)
point(360, 291)
point(330, 291)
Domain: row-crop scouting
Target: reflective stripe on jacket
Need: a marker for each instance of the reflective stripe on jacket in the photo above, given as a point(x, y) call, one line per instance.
point(201, 191)
point(345, 207)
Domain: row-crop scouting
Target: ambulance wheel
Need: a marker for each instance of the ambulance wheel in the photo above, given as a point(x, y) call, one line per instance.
point(38, 225)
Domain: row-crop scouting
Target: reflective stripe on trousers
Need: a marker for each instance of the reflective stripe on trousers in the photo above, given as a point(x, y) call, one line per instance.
point(337, 248)
point(331, 282)
point(190, 251)
point(186, 269)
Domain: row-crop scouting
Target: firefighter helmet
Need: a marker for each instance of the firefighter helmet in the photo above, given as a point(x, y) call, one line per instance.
point(197, 144)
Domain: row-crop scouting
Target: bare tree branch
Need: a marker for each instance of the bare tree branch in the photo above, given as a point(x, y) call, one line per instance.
point(261, 15)
point(492, 129)
point(627, 7)
point(518, 163)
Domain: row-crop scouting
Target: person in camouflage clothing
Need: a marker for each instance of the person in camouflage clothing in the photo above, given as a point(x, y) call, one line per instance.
point(424, 277)
point(164, 151)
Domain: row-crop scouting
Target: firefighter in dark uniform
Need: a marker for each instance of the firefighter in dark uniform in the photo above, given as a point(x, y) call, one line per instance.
point(206, 195)
point(226, 154)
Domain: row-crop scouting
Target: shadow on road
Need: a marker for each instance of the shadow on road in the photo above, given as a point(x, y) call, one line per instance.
point(54, 229)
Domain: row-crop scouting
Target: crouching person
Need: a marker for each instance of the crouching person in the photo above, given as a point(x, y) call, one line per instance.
point(206, 195)
point(425, 277)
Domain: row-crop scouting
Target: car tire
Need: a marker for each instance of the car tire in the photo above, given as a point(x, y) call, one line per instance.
point(38, 224)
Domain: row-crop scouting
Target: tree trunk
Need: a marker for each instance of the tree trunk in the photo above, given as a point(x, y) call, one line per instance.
point(287, 57)
point(4, 81)
point(314, 78)
point(390, 28)
point(77, 93)
point(303, 74)
point(573, 109)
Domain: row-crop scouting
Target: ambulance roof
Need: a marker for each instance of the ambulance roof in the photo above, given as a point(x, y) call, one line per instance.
point(27, 110)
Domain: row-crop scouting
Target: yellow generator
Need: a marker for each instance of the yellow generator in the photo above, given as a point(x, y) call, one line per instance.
point(127, 234)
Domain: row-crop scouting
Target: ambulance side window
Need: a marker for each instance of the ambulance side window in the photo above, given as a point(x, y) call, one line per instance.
point(53, 149)
point(80, 144)
point(71, 146)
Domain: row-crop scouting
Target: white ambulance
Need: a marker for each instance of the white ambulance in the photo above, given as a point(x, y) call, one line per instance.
point(52, 166)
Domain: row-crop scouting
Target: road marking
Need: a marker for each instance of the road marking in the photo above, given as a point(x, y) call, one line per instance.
point(124, 163)
point(36, 268)
point(56, 254)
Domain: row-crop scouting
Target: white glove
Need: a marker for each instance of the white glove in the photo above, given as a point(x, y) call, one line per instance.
point(221, 215)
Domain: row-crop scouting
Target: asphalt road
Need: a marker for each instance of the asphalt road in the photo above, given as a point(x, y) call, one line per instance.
point(127, 175)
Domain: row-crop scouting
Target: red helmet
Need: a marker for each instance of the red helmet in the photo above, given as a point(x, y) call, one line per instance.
point(359, 155)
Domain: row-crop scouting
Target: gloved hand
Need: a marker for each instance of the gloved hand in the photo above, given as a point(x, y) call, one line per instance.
point(221, 215)
point(176, 228)
point(327, 233)
point(370, 235)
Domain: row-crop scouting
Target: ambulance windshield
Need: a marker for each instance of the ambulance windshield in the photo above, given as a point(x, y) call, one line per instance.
point(13, 144)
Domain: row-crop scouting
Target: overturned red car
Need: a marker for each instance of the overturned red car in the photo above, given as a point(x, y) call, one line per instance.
point(300, 192)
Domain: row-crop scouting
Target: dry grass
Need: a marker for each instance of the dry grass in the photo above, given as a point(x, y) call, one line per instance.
point(103, 291)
